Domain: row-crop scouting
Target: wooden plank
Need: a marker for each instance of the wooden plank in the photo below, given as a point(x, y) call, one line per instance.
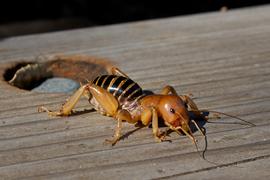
point(222, 58)
point(241, 170)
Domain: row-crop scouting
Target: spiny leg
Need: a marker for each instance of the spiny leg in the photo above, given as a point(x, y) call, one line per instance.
point(67, 107)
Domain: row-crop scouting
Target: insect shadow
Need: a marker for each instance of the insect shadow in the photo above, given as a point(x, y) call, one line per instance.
point(200, 121)
point(80, 112)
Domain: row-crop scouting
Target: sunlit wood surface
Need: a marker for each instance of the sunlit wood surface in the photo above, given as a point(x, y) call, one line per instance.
point(222, 58)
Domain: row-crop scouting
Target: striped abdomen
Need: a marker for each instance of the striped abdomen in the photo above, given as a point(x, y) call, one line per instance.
point(122, 88)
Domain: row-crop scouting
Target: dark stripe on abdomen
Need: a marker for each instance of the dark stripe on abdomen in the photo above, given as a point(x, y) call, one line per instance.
point(118, 86)
point(132, 90)
point(100, 80)
point(115, 85)
point(108, 81)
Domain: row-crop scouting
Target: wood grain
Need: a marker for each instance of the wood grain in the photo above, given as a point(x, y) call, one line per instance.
point(222, 58)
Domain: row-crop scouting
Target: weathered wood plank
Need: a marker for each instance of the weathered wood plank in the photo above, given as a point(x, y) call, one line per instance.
point(222, 58)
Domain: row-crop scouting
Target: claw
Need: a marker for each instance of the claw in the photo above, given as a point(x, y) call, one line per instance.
point(111, 141)
point(161, 137)
point(50, 113)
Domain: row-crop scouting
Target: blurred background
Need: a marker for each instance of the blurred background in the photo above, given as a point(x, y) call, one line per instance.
point(19, 17)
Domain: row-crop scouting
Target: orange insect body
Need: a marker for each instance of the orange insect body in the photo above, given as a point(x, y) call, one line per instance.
point(118, 96)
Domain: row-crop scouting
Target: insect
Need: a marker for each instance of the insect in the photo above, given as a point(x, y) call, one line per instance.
point(118, 96)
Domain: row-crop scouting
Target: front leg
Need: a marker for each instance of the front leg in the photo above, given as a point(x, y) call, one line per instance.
point(192, 106)
point(148, 115)
point(159, 136)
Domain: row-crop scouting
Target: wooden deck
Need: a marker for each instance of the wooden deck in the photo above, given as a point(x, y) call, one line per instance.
point(222, 58)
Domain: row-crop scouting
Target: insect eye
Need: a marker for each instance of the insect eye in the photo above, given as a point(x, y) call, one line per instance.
point(172, 110)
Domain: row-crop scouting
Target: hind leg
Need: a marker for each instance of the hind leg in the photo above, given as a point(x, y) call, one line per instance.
point(106, 100)
point(118, 72)
point(67, 107)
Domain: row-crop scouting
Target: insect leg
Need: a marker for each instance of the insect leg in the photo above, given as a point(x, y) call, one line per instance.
point(105, 99)
point(155, 124)
point(117, 133)
point(120, 116)
point(148, 115)
point(191, 104)
point(68, 105)
point(186, 133)
point(118, 72)
point(159, 137)
point(168, 89)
